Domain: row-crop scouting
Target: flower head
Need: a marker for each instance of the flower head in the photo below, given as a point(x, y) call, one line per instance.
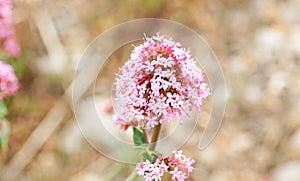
point(159, 83)
point(177, 164)
point(8, 81)
point(7, 31)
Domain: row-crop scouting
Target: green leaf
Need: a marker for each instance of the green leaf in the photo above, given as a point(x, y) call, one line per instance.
point(147, 156)
point(150, 155)
point(138, 137)
point(3, 110)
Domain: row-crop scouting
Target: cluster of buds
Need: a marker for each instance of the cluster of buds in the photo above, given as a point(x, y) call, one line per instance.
point(7, 31)
point(8, 81)
point(177, 165)
point(159, 83)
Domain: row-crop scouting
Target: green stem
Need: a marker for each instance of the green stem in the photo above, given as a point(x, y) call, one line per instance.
point(145, 136)
point(4, 146)
point(155, 136)
point(156, 130)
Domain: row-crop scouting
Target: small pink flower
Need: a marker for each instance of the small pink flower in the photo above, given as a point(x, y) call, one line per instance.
point(159, 83)
point(8, 81)
point(180, 164)
point(178, 175)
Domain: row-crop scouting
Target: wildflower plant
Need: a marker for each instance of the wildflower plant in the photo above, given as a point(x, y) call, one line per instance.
point(8, 87)
point(9, 84)
point(158, 84)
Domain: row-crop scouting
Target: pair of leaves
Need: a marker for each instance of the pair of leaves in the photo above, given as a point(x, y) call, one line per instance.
point(150, 155)
point(139, 141)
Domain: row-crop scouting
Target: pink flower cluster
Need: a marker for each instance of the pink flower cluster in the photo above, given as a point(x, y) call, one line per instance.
point(158, 84)
point(177, 164)
point(7, 32)
point(8, 81)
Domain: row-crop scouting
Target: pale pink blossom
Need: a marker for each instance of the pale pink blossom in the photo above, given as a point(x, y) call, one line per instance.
point(159, 83)
point(6, 11)
point(7, 32)
point(178, 175)
point(11, 47)
point(8, 81)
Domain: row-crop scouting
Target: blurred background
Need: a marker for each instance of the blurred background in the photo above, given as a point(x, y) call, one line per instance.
point(257, 44)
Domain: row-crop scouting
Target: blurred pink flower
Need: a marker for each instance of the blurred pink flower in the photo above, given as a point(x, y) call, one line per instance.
point(177, 164)
point(7, 31)
point(159, 83)
point(123, 125)
point(11, 47)
point(8, 81)
point(108, 108)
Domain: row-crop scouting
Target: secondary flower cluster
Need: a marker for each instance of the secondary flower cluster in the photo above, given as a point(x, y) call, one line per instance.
point(8, 81)
point(157, 84)
point(177, 164)
point(7, 31)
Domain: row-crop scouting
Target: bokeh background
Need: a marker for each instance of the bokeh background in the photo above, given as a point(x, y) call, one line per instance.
point(257, 44)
